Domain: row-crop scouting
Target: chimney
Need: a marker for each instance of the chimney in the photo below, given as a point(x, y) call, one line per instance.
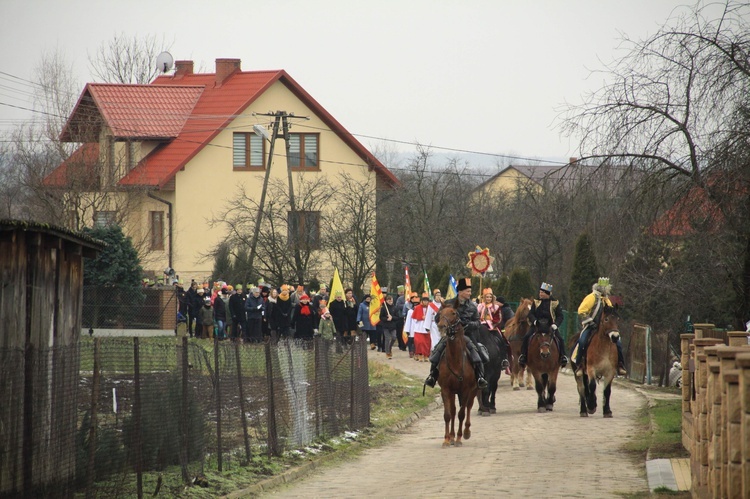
point(183, 68)
point(572, 161)
point(225, 68)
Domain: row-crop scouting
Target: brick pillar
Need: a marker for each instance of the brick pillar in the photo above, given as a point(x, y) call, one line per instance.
point(737, 338)
point(712, 435)
point(727, 356)
point(732, 487)
point(686, 344)
point(743, 364)
point(699, 328)
point(699, 451)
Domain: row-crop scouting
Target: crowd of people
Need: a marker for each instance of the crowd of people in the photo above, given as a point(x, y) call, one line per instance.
point(258, 313)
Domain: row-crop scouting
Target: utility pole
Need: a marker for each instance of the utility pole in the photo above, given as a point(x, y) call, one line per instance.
point(280, 118)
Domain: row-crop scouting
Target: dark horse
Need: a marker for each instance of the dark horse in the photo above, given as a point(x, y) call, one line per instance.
point(498, 351)
point(456, 377)
point(544, 365)
point(600, 363)
point(515, 329)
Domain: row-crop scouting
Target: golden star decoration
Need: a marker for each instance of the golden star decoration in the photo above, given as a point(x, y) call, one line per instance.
point(480, 260)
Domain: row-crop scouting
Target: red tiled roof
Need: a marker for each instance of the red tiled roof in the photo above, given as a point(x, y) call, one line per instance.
point(135, 111)
point(215, 110)
point(78, 169)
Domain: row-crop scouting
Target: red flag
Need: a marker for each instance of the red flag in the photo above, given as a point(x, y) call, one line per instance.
point(377, 300)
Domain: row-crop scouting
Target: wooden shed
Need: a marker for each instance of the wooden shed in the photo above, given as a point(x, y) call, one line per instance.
point(41, 291)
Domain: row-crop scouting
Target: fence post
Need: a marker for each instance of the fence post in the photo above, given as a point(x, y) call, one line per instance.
point(93, 419)
point(351, 381)
point(316, 386)
point(273, 438)
point(218, 402)
point(184, 417)
point(137, 417)
point(242, 401)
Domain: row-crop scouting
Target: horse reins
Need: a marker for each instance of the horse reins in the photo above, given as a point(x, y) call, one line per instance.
point(451, 333)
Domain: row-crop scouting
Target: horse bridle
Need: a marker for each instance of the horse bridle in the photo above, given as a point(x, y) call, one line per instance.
point(451, 328)
point(451, 334)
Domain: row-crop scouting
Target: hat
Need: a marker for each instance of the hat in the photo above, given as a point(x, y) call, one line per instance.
point(207, 300)
point(400, 288)
point(238, 287)
point(487, 291)
point(224, 289)
point(546, 287)
point(304, 297)
point(255, 289)
point(229, 287)
point(500, 299)
point(323, 286)
point(603, 281)
point(200, 291)
point(464, 283)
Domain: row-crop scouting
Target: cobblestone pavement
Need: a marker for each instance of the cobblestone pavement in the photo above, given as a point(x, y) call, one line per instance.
point(514, 453)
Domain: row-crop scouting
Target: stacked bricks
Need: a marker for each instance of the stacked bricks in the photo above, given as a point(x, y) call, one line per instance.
point(743, 364)
point(719, 441)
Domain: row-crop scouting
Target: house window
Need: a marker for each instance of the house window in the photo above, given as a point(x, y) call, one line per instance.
point(104, 218)
point(248, 150)
point(304, 226)
point(157, 230)
point(303, 150)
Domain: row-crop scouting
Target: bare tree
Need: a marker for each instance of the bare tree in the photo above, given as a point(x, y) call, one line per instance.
point(128, 59)
point(676, 109)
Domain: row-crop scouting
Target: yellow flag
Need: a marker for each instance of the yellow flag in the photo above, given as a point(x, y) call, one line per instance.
point(377, 300)
point(336, 287)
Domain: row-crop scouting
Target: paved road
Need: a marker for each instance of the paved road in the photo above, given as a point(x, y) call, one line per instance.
point(515, 453)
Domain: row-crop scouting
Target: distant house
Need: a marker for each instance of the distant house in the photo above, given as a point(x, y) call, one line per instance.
point(567, 177)
point(165, 157)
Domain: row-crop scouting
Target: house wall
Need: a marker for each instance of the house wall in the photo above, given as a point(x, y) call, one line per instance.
point(207, 184)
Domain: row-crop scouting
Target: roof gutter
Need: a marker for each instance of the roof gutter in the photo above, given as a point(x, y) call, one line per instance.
point(169, 226)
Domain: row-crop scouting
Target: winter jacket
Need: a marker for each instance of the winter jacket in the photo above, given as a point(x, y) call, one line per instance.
point(254, 307)
point(237, 307)
point(304, 321)
point(220, 310)
point(351, 311)
point(363, 316)
point(384, 312)
point(206, 315)
point(338, 312)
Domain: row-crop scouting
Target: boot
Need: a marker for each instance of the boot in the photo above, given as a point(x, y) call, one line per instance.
point(621, 369)
point(432, 378)
point(522, 360)
point(389, 356)
point(563, 361)
point(479, 371)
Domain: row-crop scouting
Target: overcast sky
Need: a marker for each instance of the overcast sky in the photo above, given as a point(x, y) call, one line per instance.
point(486, 76)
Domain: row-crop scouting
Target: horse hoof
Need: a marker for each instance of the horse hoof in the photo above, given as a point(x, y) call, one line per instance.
point(592, 411)
point(541, 410)
point(458, 444)
point(607, 414)
point(484, 413)
point(467, 434)
point(493, 411)
point(529, 387)
point(549, 408)
point(584, 414)
point(446, 444)
point(521, 385)
point(516, 388)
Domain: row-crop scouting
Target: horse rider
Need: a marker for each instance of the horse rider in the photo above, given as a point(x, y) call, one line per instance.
point(590, 308)
point(491, 316)
point(545, 316)
point(469, 317)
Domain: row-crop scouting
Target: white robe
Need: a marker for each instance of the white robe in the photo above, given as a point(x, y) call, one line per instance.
point(430, 316)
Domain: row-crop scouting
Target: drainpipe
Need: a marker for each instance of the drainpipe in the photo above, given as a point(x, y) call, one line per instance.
point(169, 227)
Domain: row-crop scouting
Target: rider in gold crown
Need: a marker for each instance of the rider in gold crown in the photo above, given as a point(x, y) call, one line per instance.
point(545, 316)
point(589, 312)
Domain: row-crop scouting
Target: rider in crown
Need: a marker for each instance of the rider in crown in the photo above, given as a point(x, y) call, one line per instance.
point(545, 316)
point(469, 317)
point(588, 311)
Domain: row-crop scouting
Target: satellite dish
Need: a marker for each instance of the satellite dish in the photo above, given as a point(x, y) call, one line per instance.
point(164, 62)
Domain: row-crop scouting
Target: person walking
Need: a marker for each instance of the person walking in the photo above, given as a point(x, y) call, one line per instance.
point(364, 323)
point(390, 326)
point(400, 316)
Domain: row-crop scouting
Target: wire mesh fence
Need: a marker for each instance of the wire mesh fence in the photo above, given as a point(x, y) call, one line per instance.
point(96, 418)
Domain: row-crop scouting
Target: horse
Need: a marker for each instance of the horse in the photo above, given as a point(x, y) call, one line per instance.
point(544, 365)
point(600, 362)
point(515, 329)
point(497, 350)
point(456, 378)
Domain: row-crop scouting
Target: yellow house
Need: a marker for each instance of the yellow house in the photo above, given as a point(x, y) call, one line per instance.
point(163, 159)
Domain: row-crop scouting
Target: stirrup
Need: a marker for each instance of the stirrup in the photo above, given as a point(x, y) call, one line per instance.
point(522, 360)
point(505, 364)
point(430, 381)
point(563, 361)
point(482, 383)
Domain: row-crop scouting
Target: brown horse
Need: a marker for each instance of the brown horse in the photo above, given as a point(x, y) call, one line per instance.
point(544, 364)
point(456, 378)
point(515, 329)
point(600, 363)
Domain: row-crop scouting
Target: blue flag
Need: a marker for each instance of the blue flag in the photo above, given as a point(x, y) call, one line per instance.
point(452, 288)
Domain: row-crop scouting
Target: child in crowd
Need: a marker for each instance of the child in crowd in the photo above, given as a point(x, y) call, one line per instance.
point(207, 318)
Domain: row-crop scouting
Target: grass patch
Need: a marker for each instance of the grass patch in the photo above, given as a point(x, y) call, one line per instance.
point(663, 439)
